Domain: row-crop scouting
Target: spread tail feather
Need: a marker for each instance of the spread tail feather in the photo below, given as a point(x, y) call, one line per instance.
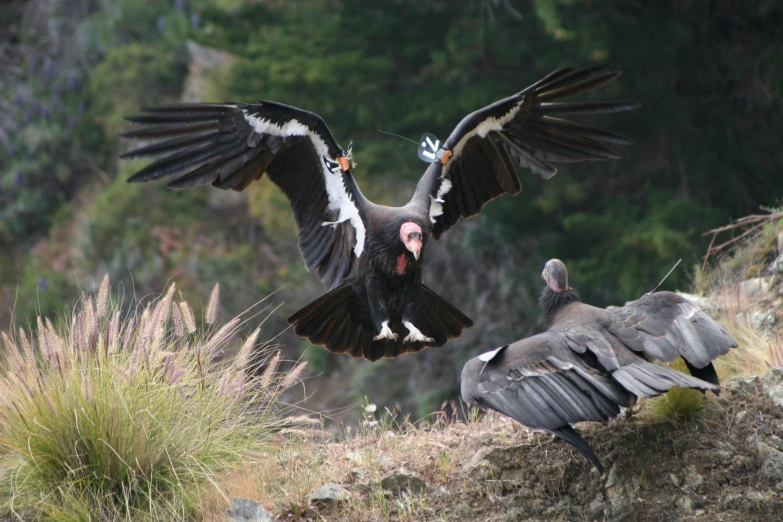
point(328, 321)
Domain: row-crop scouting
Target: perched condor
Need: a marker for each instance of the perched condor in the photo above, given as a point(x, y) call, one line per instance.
point(370, 256)
point(590, 361)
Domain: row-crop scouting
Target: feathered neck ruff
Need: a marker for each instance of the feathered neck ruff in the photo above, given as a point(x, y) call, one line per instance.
point(551, 301)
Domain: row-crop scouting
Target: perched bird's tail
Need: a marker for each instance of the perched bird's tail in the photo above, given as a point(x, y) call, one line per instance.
point(570, 435)
point(336, 322)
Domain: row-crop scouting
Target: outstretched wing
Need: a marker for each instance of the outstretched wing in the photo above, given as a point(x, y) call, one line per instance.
point(476, 160)
point(665, 325)
point(230, 145)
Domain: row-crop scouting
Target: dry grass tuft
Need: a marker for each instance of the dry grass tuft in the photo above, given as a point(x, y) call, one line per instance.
point(109, 418)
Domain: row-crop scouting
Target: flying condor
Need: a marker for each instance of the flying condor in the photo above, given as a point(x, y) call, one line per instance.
point(591, 361)
point(370, 256)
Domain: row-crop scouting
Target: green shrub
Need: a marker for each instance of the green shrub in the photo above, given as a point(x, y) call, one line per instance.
point(679, 403)
point(106, 418)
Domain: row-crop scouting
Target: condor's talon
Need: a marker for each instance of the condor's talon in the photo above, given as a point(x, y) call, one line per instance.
point(415, 335)
point(386, 333)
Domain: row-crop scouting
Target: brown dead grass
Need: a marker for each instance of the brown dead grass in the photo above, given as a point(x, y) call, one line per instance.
point(494, 469)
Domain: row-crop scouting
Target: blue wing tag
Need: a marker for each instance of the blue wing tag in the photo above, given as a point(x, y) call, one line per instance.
point(430, 149)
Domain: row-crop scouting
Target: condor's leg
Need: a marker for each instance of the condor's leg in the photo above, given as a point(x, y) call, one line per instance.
point(376, 296)
point(410, 307)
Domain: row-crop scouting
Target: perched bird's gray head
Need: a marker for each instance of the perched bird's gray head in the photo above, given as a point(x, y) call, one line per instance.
point(556, 275)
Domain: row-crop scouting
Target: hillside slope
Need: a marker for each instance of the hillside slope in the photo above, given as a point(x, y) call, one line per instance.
point(726, 465)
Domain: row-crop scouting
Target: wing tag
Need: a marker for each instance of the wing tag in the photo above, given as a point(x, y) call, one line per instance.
point(430, 149)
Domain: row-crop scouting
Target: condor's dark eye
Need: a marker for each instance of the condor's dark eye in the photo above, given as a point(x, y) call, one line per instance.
point(414, 235)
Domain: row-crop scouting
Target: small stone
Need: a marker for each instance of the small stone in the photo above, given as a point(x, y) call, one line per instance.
point(779, 486)
point(780, 243)
point(756, 286)
point(772, 384)
point(403, 481)
point(692, 479)
point(330, 492)
point(360, 475)
point(698, 513)
point(684, 503)
point(246, 510)
point(771, 462)
point(764, 321)
point(741, 385)
point(741, 416)
point(675, 480)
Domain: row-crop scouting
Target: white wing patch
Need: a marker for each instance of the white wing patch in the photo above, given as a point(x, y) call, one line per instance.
point(485, 127)
point(436, 203)
point(339, 199)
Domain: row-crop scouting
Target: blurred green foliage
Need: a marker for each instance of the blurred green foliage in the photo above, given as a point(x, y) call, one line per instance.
point(709, 76)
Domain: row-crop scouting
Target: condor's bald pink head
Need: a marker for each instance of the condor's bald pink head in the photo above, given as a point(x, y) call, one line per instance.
point(411, 236)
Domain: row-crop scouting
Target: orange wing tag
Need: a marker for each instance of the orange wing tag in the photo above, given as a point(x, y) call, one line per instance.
point(445, 157)
point(344, 163)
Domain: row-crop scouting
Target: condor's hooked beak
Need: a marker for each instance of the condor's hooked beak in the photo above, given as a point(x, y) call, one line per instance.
point(411, 236)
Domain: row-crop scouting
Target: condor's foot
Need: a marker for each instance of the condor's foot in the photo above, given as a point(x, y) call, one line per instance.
point(415, 335)
point(386, 333)
point(629, 411)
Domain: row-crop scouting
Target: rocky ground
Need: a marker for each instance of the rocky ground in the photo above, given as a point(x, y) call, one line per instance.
point(725, 465)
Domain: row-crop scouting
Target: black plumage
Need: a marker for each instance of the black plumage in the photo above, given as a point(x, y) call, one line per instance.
point(591, 361)
point(370, 256)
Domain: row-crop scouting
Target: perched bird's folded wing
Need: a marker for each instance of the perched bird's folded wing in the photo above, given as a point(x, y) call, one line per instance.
point(476, 162)
point(541, 383)
point(665, 325)
point(230, 145)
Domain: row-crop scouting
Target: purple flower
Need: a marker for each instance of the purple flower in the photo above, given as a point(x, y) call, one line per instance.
point(18, 180)
point(195, 20)
point(32, 64)
point(161, 24)
point(72, 122)
point(72, 81)
point(80, 107)
point(42, 283)
point(48, 68)
point(180, 5)
point(27, 116)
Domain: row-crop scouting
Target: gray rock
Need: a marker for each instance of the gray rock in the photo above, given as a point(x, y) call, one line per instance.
point(675, 480)
point(772, 384)
point(693, 480)
point(741, 416)
point(360, 475)
point(741, 385)
point(780, 243)
point(777, 266)
point(402, 480)
point(330, 492)
point(756, 287)
point(684, 503)
point(764, 321)
point(245, 510)
point(771, 461)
